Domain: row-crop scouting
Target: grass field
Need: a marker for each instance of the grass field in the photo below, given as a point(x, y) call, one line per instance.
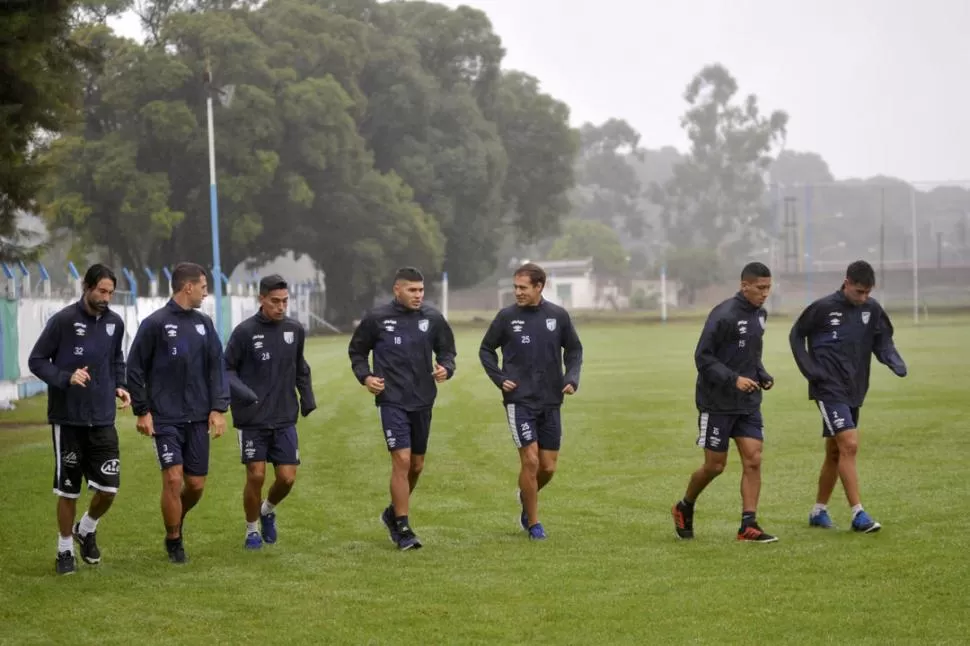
point(612, 571)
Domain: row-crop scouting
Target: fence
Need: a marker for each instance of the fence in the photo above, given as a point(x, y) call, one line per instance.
point(26, 308)
point(916, 236)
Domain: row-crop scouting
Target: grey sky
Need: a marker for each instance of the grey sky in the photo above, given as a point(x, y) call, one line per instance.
point(875, 87)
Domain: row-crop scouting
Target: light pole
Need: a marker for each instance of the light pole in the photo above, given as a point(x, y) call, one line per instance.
point(225, 98)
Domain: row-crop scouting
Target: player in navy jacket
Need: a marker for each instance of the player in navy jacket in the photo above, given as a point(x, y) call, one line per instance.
point(536, 338)
point(402, 335)
point(266, 367)
point(179, 391)
point(833, 342)
point(730, 378)
point(79, 356)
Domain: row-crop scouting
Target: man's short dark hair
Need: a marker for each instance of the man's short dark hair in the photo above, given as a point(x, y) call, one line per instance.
point(96, 273)
point(410, 274)
point(755, 270)
point(186, 272)
point(861, 273)
point(272, 283)
point(535, 273)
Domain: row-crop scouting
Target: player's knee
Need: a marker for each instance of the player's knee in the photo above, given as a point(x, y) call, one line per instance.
point(401, 461)
point(255, 478)
point(714, 468)
point(530, 461)
point(172, 479)
point(547, 470)
point(194, 486)
point(848, 448)
point(286, 479)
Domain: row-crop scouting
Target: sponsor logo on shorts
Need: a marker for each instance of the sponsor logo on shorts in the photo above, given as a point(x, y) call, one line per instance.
point(69, 459)
point(111, 467)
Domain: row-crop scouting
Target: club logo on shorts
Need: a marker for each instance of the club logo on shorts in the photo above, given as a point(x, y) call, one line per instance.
point(110, 329)
point(288, 336)
point(111, 467)
point(551, 324)
point(865, 318)
point(423, 325)
point(200, 328)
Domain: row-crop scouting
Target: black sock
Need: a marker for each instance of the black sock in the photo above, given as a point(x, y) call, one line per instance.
point(401, 522)
point(172, 543)
point(688, 504)
point(747, 518)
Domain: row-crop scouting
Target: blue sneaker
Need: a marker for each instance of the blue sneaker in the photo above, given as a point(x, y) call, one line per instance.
point(537, 533)
point(407, 540)
point(253, 541)
point(387, 517)
point(267, 526)
point(821, 519)
point(523, 517)
point(864, 523)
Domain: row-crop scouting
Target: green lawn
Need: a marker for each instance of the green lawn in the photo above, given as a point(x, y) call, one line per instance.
point(612, 571)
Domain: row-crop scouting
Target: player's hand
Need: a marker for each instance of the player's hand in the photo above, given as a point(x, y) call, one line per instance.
point(440, 373)
point(217, 423)
point(374, 384)
point(145, 425)
point(125, 398)
point(509, 386)
point(80, 377)
point(746, 385)
point(766, 385)
point(568, 389)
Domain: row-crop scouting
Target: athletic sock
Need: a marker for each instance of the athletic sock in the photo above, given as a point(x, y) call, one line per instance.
point(65, 544)
point(87, 525)
point(267, 508)
point(251, 527)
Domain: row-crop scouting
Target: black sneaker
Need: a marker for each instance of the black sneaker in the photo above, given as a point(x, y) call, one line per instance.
point(90, 553)
point(176, 551)
point(65, 563)
point(407, 539)
point(754, 534)
point(683, 520)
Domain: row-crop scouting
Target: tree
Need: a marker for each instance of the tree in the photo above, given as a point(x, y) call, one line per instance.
point(609, 190)
point(694, 268)
point(716, 198)
point(38, 98)
point(589, 239)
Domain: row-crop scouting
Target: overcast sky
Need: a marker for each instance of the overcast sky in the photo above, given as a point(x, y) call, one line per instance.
point(874, 86)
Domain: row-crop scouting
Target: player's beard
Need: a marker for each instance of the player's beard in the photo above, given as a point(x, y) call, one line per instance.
point(98, 306)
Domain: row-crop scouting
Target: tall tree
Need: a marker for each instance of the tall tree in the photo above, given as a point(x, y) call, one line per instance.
point(591, 239)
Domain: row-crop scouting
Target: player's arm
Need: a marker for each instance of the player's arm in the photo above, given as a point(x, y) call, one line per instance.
point(140, 358)
point(361, 344)
point(118, 360)
point(572, 353)
point(705, 354)
point(444, 347)
point(798, 339)
point(304, 383)
point(233, 359)
point(218, 379)
point(43, 353)
point(494, 338)
point(884, 348)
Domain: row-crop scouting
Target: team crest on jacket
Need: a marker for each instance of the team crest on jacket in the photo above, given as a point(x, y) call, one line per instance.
point(423, 325)
point(110, 329)
point(865, 318)
point(200, 328)
point(550, 324)
point(763, 320)
point(288, 336)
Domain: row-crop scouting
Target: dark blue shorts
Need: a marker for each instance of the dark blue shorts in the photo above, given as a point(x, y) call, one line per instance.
point(837, 417)
point(405, 429)
point(528, 425)
point(714, 430)
point(279, 446)
point(185, 444)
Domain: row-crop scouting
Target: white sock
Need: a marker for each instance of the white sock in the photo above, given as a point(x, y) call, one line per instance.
point(88, 525)
point(267, 508)
point(251, 528)
point(856, 509)
point(819, 508)
point(65, 544)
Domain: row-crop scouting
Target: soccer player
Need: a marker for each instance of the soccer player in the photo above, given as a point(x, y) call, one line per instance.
point(266, 368)
point(833, 342)
point(730, 378)
point(79, 357)
point(402, 336)
point(536, 337)
point(180, 393)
